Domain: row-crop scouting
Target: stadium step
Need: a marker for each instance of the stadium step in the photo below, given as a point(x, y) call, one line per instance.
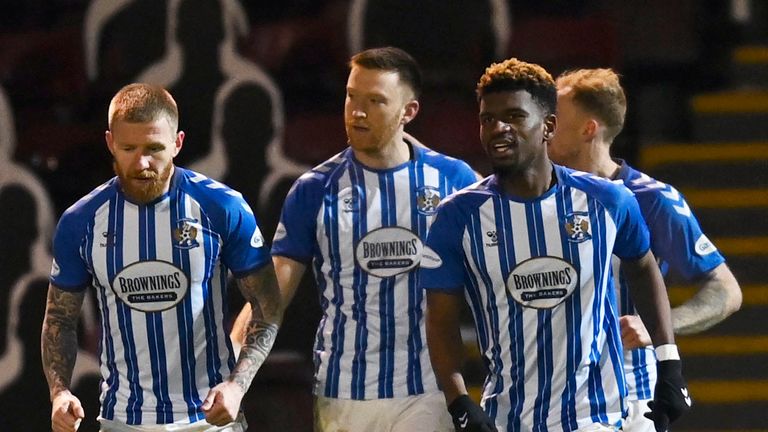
point(724, 165)
point(750, 65)
point(740, 114)
point(723, 175)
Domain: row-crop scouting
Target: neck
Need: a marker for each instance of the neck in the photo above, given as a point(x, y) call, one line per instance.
point(395, 153)
point(530, 183)
point(597, 160)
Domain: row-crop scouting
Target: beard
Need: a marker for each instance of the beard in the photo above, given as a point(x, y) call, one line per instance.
point(143, 192)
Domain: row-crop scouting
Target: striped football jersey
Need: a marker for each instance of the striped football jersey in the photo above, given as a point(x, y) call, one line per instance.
point(160, 272)
point(537, 277)
point(678, 244)
point(361, 230)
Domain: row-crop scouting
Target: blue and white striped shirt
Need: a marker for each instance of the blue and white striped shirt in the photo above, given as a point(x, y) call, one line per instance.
point(160, 273)
point(362, 231)
point(678, 244)
point(537, 277)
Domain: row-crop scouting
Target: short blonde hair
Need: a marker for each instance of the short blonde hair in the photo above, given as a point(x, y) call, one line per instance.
point(513, 74)
point(140, 103)
point(598, 92)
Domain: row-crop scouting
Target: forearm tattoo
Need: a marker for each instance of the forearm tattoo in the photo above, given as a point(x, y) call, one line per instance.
point(59, 337)
point(262, 292)
point(702, 311)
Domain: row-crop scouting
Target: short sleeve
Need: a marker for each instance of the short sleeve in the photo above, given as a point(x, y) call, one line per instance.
point(466, 177)
point(632, 238)
point(295, 236)
point(444, 241)
point(69, 270)
point(244, 248)
point(676, 236)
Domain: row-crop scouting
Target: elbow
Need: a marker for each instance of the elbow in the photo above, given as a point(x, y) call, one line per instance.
point(734, 296)
point(733, 303)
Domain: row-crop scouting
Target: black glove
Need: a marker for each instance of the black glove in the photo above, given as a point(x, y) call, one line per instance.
point(670, 398)
point(469, 417)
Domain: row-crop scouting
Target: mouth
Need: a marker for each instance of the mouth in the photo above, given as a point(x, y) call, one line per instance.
point(503, 145)
point(144, 179)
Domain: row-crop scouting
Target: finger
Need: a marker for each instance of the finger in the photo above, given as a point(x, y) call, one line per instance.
point(76, 409)
point(217, 419)
point(208, 402)
point(623, 323)
point(661, 423)
point(64, 407)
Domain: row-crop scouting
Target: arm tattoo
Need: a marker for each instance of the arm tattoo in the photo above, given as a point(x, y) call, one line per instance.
point(59, 337)
point(702, 311)
point(262, 292)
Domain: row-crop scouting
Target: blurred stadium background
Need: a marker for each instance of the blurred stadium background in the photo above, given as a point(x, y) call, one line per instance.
point(260, 86)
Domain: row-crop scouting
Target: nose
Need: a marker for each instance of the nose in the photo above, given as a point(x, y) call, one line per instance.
point(359, 114)
point(502, 127)
point(142, 162)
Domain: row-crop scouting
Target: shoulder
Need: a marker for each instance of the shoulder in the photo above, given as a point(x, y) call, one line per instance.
point(442, 162)
point(470, 197)
point(321, 175)
point(653, 194)
point(85, 208)
point(611, 193)
point(210, 193)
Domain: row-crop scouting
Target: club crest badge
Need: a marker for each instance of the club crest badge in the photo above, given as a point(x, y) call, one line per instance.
point(577, 227)
point(185, 234)
point(350, 199)
point(493, 238)
point(427, 199)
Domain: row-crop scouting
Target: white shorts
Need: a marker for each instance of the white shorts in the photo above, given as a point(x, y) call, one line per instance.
point(239, 425)
point(598, 427)
point(636, 421)
point(421, 413)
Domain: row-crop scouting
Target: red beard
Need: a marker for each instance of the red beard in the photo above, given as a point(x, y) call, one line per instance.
point(143, 191)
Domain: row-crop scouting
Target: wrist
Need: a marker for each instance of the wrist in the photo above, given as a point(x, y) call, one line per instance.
point(60, 392)
point(667, 352)
point(459, 403)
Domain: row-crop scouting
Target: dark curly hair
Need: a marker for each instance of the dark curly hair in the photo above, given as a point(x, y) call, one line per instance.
point(512, 75)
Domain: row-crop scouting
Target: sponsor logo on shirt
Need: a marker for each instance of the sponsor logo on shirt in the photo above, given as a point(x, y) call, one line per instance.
point(185, 234)
point(55, 269)
point(430, 259)
point(704, 246)
point(427, 199)
point(280, 232)
point(577, 227)
point(257, 240)
point(542, 282)
point(389, 251)
point(151, 286)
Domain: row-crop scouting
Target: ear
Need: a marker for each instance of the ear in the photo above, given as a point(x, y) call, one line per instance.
point(178, 143)
point(550, 124)
point(409, 111)
point(590, 129)
point(110, 141)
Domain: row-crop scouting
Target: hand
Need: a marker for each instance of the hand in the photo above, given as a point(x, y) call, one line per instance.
point(66, 412)
point(633, 332)
point(222, 404)
point(671, 398)
point(469, 417)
